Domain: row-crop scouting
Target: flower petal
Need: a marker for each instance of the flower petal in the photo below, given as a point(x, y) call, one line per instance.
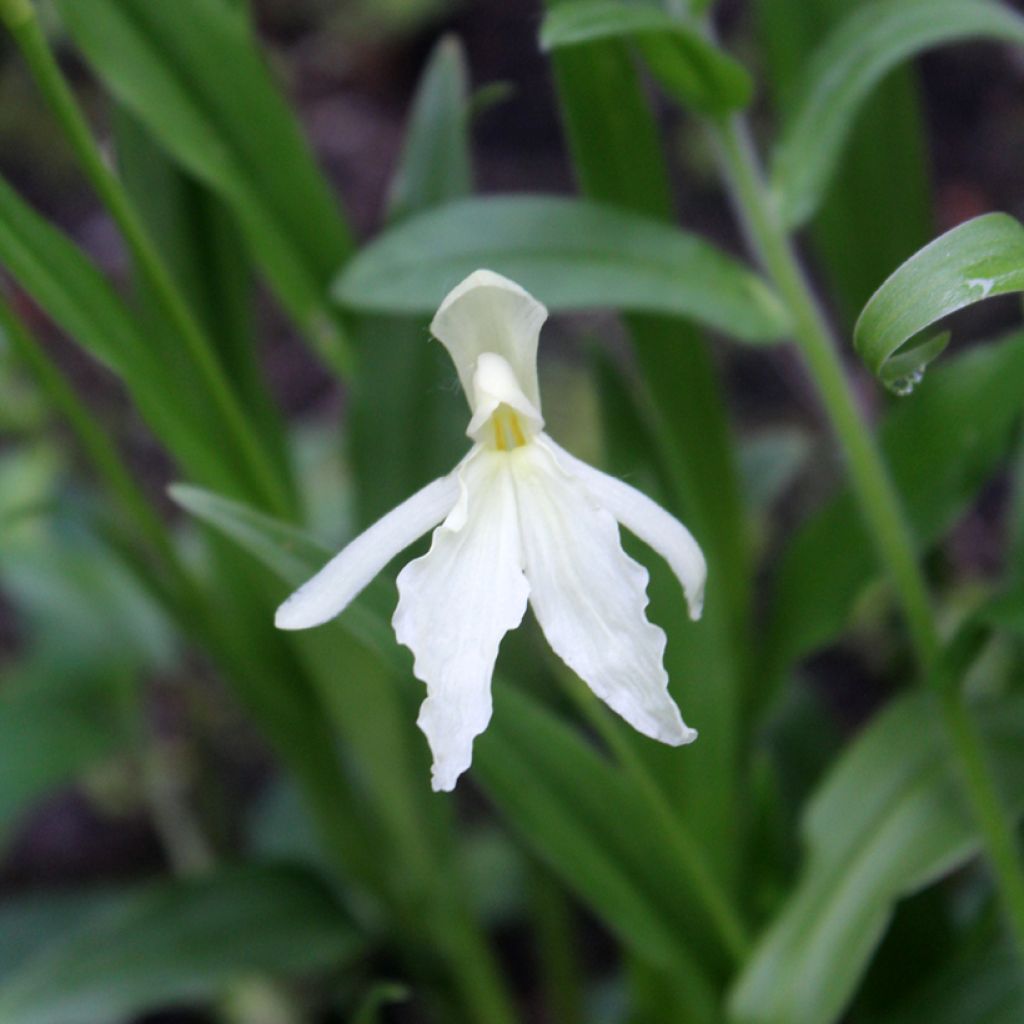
point(648, 520)
point(589, 596)
point(340, 581)
point(490, 313)
point(456, 603)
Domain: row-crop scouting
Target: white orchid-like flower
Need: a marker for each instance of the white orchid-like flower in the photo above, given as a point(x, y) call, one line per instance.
point(519, 519)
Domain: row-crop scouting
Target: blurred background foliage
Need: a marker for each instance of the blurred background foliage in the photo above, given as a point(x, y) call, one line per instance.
point(204, 820)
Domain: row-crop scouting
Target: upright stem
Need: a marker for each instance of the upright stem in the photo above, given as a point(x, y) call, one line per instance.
point(24, 27)
point(877, 495)
point(871, 481)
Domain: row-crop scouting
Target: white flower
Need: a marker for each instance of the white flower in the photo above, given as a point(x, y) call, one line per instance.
point(520, 520)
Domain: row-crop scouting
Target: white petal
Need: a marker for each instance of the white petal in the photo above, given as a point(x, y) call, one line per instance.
point(648, 520)
point(456, 603)
point(589, 596)
point(490, 313)
point(337, 583)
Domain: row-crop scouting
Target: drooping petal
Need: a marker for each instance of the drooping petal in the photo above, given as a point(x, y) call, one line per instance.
point(490, 313)
point(648, 520)
point(589, 596)
point(344, 576)
point(455, 605)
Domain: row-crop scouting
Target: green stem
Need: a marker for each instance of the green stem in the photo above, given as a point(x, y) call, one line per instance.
point(989, 812)
point(32, 42)
point(877, 495)
point(872, 484)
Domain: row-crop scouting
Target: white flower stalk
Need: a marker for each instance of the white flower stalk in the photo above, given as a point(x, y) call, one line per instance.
point(518, 520)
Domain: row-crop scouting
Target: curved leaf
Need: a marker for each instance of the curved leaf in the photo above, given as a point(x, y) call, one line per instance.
point(689, 67)
point(848, 65)
point(975, 261)
point(888, 820)
point(571, 254)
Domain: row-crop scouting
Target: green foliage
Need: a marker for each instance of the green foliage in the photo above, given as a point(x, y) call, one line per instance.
point(690, 861)
point(194, 77)
point(977, 260)
point(889, 819)
point(852, 60)
point(180, 942)
point(572, 254)
point(937, 466)
point(684, 63)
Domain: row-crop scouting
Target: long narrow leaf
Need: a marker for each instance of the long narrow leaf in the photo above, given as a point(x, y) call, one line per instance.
point(191, 72)
point(689, 67)
point(571, 254)
point(851, 61)
point(889, 819)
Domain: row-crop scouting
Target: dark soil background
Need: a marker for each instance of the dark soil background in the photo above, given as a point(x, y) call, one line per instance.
point(349, 69)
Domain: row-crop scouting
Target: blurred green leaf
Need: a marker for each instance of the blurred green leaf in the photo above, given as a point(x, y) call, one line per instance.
point(688, 67)
point(192, 73)
point(941, 445)
point(435, 164)
point(889, 819)
point(975, 261)
point(571, 254)
point(878, 208)
point(204, 250)
point(853, 59)
point(982, 983)
point(180, 942)
point(62, 279)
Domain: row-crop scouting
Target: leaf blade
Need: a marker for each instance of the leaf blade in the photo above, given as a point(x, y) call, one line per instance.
point(847, 66)
point(571, 254)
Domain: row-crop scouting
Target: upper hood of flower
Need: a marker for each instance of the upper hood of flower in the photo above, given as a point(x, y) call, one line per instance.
point(490, 313)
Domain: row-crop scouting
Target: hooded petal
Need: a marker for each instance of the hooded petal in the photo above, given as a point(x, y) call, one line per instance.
point(340, 581)
point(648, 520)
point(490, 313)
point(589, 596)
point(456, 603)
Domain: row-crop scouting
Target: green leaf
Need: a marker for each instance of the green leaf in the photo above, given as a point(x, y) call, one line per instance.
point(204, 250)
point(689, 67)
point(192, 73)
point(937, 465)
point(847, 66)
point(180, 942)
point(878, 209)
point(64, 281)
point(571, 254)
point(435, 164)
point(889, 819)
point(977, 260)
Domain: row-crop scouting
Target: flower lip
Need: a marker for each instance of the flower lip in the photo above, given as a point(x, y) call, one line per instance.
point(502, 413)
